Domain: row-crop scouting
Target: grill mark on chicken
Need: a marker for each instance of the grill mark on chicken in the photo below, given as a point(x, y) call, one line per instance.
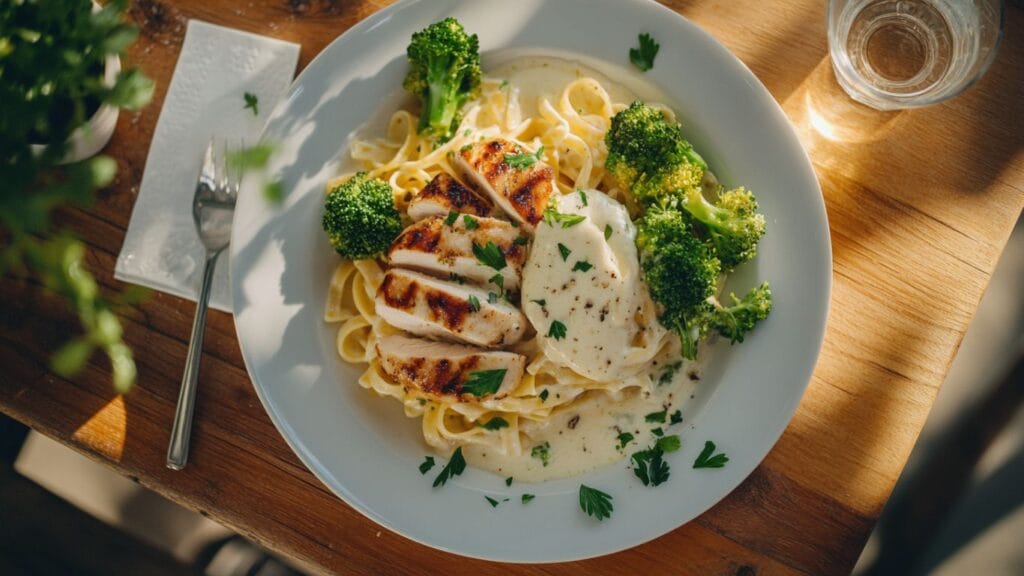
point(424, 238)
point(398, 294)
point(450, 191)
point(525, 196)
point(449, 311)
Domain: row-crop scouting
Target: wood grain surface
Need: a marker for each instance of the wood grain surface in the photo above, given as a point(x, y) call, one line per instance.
point(920, 205)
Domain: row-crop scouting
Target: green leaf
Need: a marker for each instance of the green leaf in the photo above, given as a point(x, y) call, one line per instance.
point(524, 160)
point(542, 452)
point(643, 56)
point(706, 460)
point(492, 298)
point(452, 217)
point(650, 467)
point(557, 330)
point(494, 503)
point(521, 241)
point(483, 382)
point(677, 417)
point(669, 373)
point(527, 497)
point(656, 416)
point(456, 465)
point(456, 278)
point(252, 102)
point(582, 266)
point(658, 432)
point(583, 197)
point(123, 367)
point(607, 231)
point(552, 216)
point(250, 158)
point(131, 91)
point(564, 251)
point(496, 423)
point(490, 255)
point(474, 303)
point(427, 464)
point(118, 41)
point(498, 280)
point(71, 357)
point(668, 444)
point(508, 481)
point(624, 438)
point(102, 170)
point(273, 192)
point(470, 222)
point(595, 502)
point(544, 395)
point(541, 302)
point(107, 330)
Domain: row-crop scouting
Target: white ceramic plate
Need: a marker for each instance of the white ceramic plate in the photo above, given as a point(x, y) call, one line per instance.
point(362, 447)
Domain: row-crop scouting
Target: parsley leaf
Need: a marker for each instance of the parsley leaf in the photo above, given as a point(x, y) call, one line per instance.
point(252, 102)
point(655, 416)
point(595, 503)
point(540, 302)
point(474, 303)
point(521, 241)
point(491, 501)
point(706, 460)
point(483, 382)
point(524, 160)
point(668, 444)
point(452, 217)
point(583, 197)
point(498, 280)
point(658, 432)
point(427, 464)
point(669, 373)
point(492, 298)
point(527, 498)
point(557, 330)
point(496, 423)
point(489, 255)
point(470, 222)
point(607, 231)
point(455, 466)
point(650, 466)
point(624, 438)
point(552, 216)
point(508, 481)
point(466, 148)
point(677, 417)
point(582, 266)
point(564, 251)
point(643, 56)
point(542, 452)
point(544, 395)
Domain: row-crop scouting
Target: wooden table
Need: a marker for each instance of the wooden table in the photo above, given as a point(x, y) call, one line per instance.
point(920, 206)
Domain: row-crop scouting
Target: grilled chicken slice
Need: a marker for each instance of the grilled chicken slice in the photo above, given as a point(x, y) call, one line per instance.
point(440, 369)
point(443, 249)
point(445, 194)
point(521, 192)
point(426, 306)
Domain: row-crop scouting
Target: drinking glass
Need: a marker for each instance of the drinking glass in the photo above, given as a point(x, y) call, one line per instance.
point(894, 54)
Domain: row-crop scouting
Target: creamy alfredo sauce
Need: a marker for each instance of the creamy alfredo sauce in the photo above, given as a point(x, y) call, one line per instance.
point(609, 320)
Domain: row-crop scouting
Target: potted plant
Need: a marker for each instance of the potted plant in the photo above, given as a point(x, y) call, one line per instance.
point(61, 85)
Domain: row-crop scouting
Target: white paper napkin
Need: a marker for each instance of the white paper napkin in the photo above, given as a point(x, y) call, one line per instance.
point(206, 98)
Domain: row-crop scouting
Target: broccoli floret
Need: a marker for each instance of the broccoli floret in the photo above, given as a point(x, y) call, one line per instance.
point(733, 224)
point(735, 321)
point(648, 155)
point(680, 272)
point(444, 72)
point(360, 217)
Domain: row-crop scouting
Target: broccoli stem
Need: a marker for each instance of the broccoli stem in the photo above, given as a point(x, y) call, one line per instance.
point(703, 211)
point(442, 99)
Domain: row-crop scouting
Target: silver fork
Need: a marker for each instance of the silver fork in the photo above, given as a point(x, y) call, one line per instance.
point(212, 209)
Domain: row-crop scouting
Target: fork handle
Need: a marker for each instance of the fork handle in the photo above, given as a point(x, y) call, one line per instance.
point(181, 433)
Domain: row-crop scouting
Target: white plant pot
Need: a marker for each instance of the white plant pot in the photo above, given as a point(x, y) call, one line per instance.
point(89, 138)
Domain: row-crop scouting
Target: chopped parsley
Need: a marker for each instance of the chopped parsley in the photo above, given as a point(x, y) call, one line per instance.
point(452, 217)
point(624, 438)
point(676, 418)
point(467, 132)
point(508, 481)
point(483, 382)
point(492, 298)
point(544, 395)
point(542, 452)
point(466, 148)
point(455, 466)
point(527, 498)
point(427, 464)
point(494, 503)
point(582, 266)
point(470, 222)
point(489, 255)
point(643, 56)
point(474, 303)
point(668, 444)
point(583, 197)
point(607, 231)
point(540, 302)
point(656, 416)
point(524, 160)
point(498, 280)
point(552, 216)
point(557, 330)
point(564, 251)
point(252, 102)
point(650, 467)
point(706, 460)
point(456, 278)
point(669, 373)
point(496, 423)
point(521, 241)
point(658, 432)
point(595, 503)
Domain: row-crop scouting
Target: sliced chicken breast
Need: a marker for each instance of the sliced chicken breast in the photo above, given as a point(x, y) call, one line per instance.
point(427, 306)
point(441, 369)
point(521, 192)
point(443, 249)
point(445, 194)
